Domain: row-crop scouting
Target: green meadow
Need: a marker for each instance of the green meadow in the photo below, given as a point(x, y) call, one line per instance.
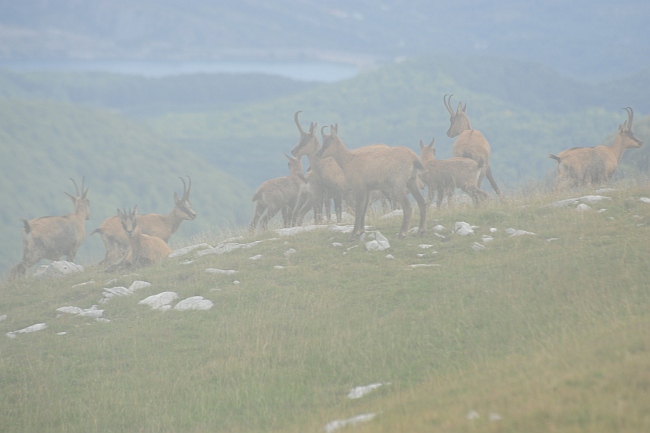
point(546, 331)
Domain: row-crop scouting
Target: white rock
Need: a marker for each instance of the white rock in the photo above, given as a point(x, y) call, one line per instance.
point(137, 285)
point(3, 317)
point(360, 391)
point(279, 267)
point(644, 200)
point(337, 244)
point(425, 246)
point(487, 238)
point(424, 265)
point(69, 310)
point(514, 232)
point(83, 284)
point(438, 228)
point(289, 252)
point(292, 231)
point(221, 271)
point(463, 229)
point(182, 251)
point(255, 257)
point(159, 301)
point(33, 328)
point(340, 423)
point(493, 230)
point(472, 414)
point(478, 247)
point(194, 303)
point(494, 416)
point(583, 207)
point(58, 269)
point(390, 256)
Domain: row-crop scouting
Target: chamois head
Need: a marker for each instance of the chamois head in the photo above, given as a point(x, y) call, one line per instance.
point(427, 152)
point(80, 201)
point(625, 131)
point(308, 143)
point(128, 220)
point(458, 120)
point(328, 139)
point(295, 165)
point(183, 204)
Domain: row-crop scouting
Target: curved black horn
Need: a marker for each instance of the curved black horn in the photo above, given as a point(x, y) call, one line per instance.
point(295, 118)
point(321, 130)
point(630, 116)
point(184, 187)
point(448, 103)
point(189, 187)
point(75, 187)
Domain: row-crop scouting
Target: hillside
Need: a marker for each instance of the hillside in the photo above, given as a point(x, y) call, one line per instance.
point(526, 111)
point(544, 328)
point(46, 142)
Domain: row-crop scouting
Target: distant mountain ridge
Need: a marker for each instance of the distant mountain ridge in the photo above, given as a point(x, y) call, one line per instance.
point(596, 38)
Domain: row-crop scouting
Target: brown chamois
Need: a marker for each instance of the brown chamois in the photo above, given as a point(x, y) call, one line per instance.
point(470, 142)
point(144, 250)
point(324, 181)
point(278, 194)
point(581, 166)
point(445, 175)
point(161, 226)
point(393, 170)
point(51, 237)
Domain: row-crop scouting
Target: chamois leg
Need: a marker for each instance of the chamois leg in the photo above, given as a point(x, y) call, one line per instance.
point(361, 200)
point(440, 195)
point(259, 210)
point(488, 174)
point(406, 217)
point(338, 208)
point(422, 206)
point(271, 211)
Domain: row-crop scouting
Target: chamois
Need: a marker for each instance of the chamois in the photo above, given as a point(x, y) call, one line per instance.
point(581, 166)
point(393, 170)
point(144, 250)
point(278, 194)
point(470, 142)
point(161, 226)
point(325, 180)
point(445, 175)
point(51, 237)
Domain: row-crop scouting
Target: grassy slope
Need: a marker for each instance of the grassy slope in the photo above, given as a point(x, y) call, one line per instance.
point(46, 142)
point(524, 110)
point(548, 334)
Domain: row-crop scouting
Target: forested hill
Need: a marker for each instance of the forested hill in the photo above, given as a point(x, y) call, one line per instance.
point(525, 110)
point(44, 143)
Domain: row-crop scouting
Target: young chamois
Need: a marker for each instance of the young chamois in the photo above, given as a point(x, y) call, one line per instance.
point(279, 194)
point(470, 142)
point(445, 175)
point(116, 241)
point(393, 170)
point(51, 237)
point(581, 166)
point(144, 250)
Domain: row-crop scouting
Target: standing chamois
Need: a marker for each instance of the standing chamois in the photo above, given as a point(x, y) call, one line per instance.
point(278, 194)
point(445, 175)
point(470, 142)
point(392, 170)
point(162, 226)
point(324, 180)
point(51, 237)
point(581, 166)
point(143, 250)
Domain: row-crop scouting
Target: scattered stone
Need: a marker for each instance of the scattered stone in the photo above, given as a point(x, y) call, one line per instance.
point(513, 232)
point(438, 228)
point(390, 256)
point(337, 244)
point(463, 229)
point(494, 417)
point(58, 269)
point(279, 267)
point(340, 423)
point(380, 243)
point(583, 207)
point(423, 265)
point(83, 284)
point(289, 252)
point(186, 262)
point(122, 291)
point(161, 301)
point(478, 247)
point(182, 251)
point(92, 312)
point(194, 303)
point(487, 238)
point(3, 317)
point(360, 391)
point(255, 257)
point(29, 329)
point(221, 271)
point(644, 200)
point(472, 414)
point(425, 246)
point(493, 230)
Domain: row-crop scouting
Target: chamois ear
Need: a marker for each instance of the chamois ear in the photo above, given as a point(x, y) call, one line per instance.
point(465, 107)
point(135, 210)
point(460, 108)
point(119, 213)
point(431, 144)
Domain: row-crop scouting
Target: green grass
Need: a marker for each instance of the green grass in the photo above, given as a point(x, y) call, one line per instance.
point(550, 335)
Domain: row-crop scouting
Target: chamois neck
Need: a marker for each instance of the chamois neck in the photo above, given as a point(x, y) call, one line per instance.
point(617, 147)
point(174, 219)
